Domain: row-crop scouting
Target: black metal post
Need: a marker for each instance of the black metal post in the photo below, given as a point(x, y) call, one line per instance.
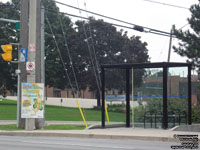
point(144, 119)
point(103, 98)
point(165, 113)
point(127, 98)
point(189, 96)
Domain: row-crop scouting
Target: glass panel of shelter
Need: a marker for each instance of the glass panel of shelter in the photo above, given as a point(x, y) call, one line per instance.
point(148, 97)
point(177, 96)
point(115, 97)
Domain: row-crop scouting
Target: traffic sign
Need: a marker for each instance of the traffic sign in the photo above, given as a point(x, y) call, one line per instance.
point(23, 55)
point(30, 65)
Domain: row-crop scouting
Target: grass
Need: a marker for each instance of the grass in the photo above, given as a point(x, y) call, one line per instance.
point(64, 127)
point(9, 127)
point(8, 110)
point(13, 127)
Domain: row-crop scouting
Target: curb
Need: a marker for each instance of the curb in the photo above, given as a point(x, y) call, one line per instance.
point(88, 135)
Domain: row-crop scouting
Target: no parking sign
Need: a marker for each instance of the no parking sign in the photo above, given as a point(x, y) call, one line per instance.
point(30, 65)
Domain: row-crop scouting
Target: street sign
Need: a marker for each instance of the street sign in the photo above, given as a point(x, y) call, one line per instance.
point(30, 65)
point(17, 25)
point(23, 55)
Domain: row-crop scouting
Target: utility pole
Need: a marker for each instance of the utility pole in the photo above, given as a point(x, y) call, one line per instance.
point(43, 56)
point(170, 47)
point(39, 60)
point(23, 44)
point(34, 54)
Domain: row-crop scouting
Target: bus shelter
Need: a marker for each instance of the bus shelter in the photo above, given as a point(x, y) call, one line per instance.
point(165, 66)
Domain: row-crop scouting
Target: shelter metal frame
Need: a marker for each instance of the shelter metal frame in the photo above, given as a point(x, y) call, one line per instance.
point(127, 67)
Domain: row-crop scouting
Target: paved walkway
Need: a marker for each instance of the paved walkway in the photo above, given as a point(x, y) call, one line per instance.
point(111, 133)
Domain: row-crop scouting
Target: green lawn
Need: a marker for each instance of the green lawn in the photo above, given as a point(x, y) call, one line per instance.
point(64, 127)
point(9, 127)
point(8, 109)
point(12, 127)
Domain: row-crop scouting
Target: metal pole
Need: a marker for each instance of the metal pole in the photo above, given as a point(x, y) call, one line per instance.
point(43, 57)
point(189, 96)
point(132, 99)
point(18, 98)
point(165, 113)
point(18, 90)
point(9, 20)
point(103, 98)
point(127, 98)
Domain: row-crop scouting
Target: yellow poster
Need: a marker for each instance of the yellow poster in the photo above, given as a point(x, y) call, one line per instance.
point(32, 104)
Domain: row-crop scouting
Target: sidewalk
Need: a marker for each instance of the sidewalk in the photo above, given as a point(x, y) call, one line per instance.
point(107, 133)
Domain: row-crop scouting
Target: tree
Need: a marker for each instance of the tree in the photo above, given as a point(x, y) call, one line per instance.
point(190, 40)
point(111, 47)
point(8, 35)
point(55, 73)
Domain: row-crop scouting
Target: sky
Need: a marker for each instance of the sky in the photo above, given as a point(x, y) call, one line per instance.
point(144, 13)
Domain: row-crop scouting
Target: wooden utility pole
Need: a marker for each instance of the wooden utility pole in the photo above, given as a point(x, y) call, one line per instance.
point(39, 60)
point(34, 54)
point(23, 44)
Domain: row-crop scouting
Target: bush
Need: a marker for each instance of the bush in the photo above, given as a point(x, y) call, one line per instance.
point(196, 114)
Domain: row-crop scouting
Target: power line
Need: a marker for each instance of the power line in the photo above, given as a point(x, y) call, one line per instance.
point(97, 14)
point(89, 49)
point(183, 26)
point(70, 58)
point(93, 47)
point(167, 4)
point(58, 49)
point(123, 26)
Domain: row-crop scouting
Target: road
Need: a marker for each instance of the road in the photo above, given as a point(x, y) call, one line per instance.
point(59, 143)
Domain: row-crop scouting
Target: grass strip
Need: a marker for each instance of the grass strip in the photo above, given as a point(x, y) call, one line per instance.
point(64, 127)
point(13, 127)
point(9, 127)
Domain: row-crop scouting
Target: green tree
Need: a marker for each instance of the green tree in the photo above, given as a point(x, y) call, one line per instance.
point(8, 35)
point(111, 47)
point(190, 40)
point(55, 73)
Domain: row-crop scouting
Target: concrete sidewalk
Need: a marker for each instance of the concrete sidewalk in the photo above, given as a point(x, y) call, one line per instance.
point(108, 133)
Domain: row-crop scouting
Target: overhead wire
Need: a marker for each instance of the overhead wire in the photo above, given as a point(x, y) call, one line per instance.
point(166, 4)
point(123, 26)
point(58, 49)
point(93, 47)
point(70, 58)
point(111, 18)
point(89, 49)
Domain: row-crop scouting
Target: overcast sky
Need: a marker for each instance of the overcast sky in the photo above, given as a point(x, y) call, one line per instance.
point(144, 13)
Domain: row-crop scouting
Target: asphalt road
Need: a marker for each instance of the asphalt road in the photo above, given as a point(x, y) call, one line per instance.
point(52, 143)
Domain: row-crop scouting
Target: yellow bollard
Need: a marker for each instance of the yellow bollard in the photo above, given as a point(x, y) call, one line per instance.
point(81, 113)
point(107, 117)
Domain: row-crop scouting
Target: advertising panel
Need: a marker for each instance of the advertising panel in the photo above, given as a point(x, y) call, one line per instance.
point(32, 104)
